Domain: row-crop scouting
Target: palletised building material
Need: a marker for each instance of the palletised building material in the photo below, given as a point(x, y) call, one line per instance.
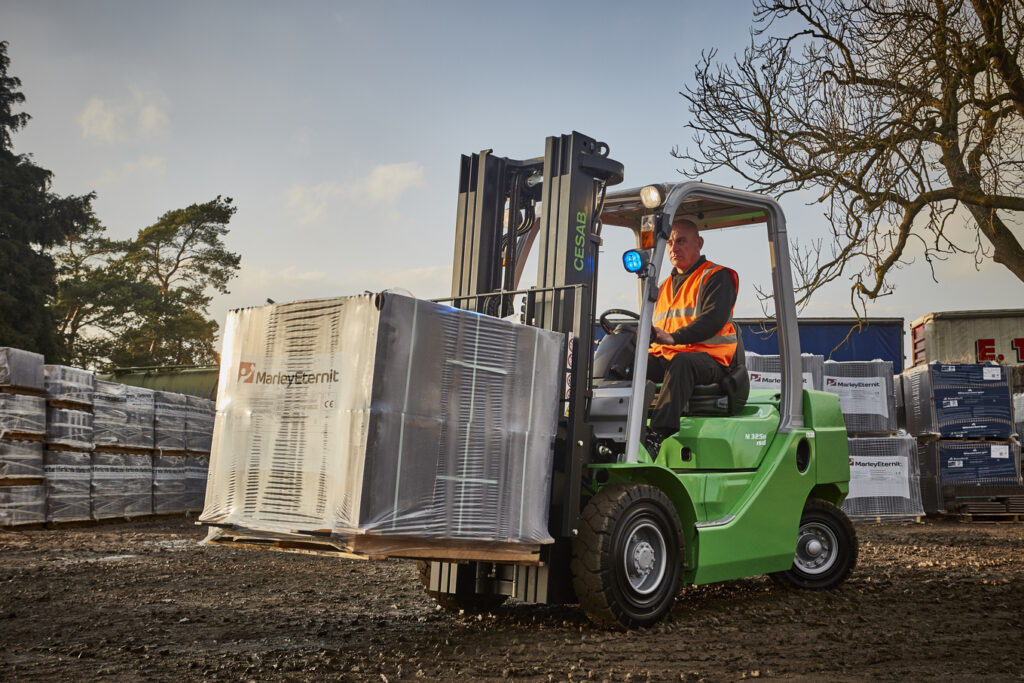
point(899, 402)
point(884, 478)
point(765, 371)
point(865, 390)
point(385, 414)
point(70, 385)
point(1018, 414)
point(107, 485)
point(21, 459)
point(958, 401)
point(22, 415)
point(169, 415)
point(196, 470)
point(21, 369)
point(68, 484)
point(70, 428)
point(169, 484)
point(122, 416)
point(965, 463)
point(199, 416)
point(138, 485)
point(22, 505)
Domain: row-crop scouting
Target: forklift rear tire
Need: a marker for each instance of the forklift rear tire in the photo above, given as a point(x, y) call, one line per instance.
point(826, 548)
point(627, 556)
point(464, 599)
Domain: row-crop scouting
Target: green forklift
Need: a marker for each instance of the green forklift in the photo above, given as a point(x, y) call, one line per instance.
point(751, 483)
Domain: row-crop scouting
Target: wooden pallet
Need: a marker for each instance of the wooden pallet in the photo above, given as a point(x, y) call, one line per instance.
point(22, 391)
point(22, 436)
point(22, 481)
point(369, 547)
point(880, 519)
point(122, 450)
point(64, 404)
point(990, 518)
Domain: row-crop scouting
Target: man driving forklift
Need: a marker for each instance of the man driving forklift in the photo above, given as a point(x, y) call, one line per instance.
point(693, 340)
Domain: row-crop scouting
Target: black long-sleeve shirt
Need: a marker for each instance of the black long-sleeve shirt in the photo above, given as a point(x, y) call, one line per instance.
point(717, 298)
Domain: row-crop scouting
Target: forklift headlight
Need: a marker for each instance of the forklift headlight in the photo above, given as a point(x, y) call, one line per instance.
point(650, 196)
point(633, 260)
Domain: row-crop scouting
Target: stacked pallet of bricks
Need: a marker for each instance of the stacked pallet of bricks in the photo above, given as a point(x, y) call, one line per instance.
point(75, 449)
point(22, 428)
point(71, 496)
point(765, 371)
point(962, 416)
point(123, 426)
point(884, 470)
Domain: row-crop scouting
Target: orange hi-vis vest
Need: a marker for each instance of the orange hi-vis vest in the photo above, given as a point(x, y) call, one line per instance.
point(673, 313)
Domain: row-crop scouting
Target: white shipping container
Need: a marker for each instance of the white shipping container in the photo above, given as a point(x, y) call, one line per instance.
point(968, 337)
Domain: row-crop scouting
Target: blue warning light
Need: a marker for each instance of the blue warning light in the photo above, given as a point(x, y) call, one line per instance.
point(633, 261)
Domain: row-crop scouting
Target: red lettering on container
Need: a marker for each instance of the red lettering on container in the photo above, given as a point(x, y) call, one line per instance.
point(1018, 346)
point(985, 349)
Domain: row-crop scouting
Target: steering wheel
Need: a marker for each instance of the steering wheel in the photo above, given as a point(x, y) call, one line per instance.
point(607, 325)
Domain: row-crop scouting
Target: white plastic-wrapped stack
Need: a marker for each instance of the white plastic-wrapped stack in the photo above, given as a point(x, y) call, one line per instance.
point(169, 484)
point(138, 485)
point(22, 425)
point(899, 401)
point(107, 485)
point(69, 393)
point(122, 416)
point(170, 412)
point(196, 471)
point(765, 371)
point(385, 414)
point(199, 417)
point(866, 395)
point(22, 415)
point(885, 481)
point(68, 482)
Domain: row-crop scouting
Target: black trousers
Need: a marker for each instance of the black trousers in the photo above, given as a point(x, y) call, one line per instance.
point(678, 377)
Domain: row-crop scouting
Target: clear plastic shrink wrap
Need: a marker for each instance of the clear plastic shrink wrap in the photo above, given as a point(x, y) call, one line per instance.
point(21, 459)
point(196, 471)
point(138, 485)
point(71, 428)
point(107, 485)
point(122, 415)
point(22, 369)
point(68, 477)
point(169, 410)
point(965, 463)
point(884, 477)
point(765, 371)
point(958, 401)
point(68, 384)
point(22, 414)
point(385, 414)
point(1018, 414)
point(22, 505)
point(168, 484)
point(866, 395)
point(199, 416)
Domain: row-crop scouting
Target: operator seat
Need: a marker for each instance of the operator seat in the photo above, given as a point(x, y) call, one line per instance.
point(729, 395)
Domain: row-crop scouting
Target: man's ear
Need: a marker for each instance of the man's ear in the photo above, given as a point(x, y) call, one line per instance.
point(700, 242)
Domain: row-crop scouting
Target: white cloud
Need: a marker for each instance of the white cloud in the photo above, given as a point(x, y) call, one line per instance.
point(144, 166)
point(139, 116)
point(382, 185)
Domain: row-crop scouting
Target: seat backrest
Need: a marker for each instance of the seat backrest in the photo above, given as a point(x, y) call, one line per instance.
point(730, 394)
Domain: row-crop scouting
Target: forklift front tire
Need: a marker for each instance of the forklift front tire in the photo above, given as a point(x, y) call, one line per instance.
point(826, 548)
point(627, 557)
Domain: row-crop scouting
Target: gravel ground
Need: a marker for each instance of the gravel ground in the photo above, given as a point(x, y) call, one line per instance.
point(934, 601)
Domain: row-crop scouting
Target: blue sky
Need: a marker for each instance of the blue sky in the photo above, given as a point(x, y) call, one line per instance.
point(337, 128)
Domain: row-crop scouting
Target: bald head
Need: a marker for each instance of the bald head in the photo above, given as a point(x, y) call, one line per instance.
point(684, 245)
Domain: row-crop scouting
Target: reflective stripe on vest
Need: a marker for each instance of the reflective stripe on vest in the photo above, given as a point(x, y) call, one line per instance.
point(673, 313)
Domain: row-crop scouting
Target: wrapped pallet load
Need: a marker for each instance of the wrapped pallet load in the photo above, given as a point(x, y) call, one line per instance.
point(884, 478)
point(957, 473)
point(169, 482)
point(68, 478)
point(138, 485)
point(958, 400)
point(69, 428)
point(199, 416)
point(20, 460)
point(22, 415)
point(384, 418)
point(765, 371)
point(21, 369)
point(196, 471)
point(169, 415)
point(866, 395)
point(66, 385)
point(122, 416)
point(107, 485)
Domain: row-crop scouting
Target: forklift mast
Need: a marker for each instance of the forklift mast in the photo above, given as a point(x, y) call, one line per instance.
point(496, 226)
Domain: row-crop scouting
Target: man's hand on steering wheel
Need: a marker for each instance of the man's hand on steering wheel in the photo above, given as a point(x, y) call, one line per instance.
point(660, 336)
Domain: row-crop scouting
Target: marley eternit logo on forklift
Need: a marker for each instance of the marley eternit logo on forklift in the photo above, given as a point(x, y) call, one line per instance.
point(248, 374)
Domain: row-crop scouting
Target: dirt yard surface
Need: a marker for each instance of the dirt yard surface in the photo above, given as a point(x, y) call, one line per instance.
point(934, 601)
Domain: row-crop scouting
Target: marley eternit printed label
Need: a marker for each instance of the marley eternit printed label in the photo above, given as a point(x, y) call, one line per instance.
point(860, 395)
point(760, 379)
point(879, 476)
